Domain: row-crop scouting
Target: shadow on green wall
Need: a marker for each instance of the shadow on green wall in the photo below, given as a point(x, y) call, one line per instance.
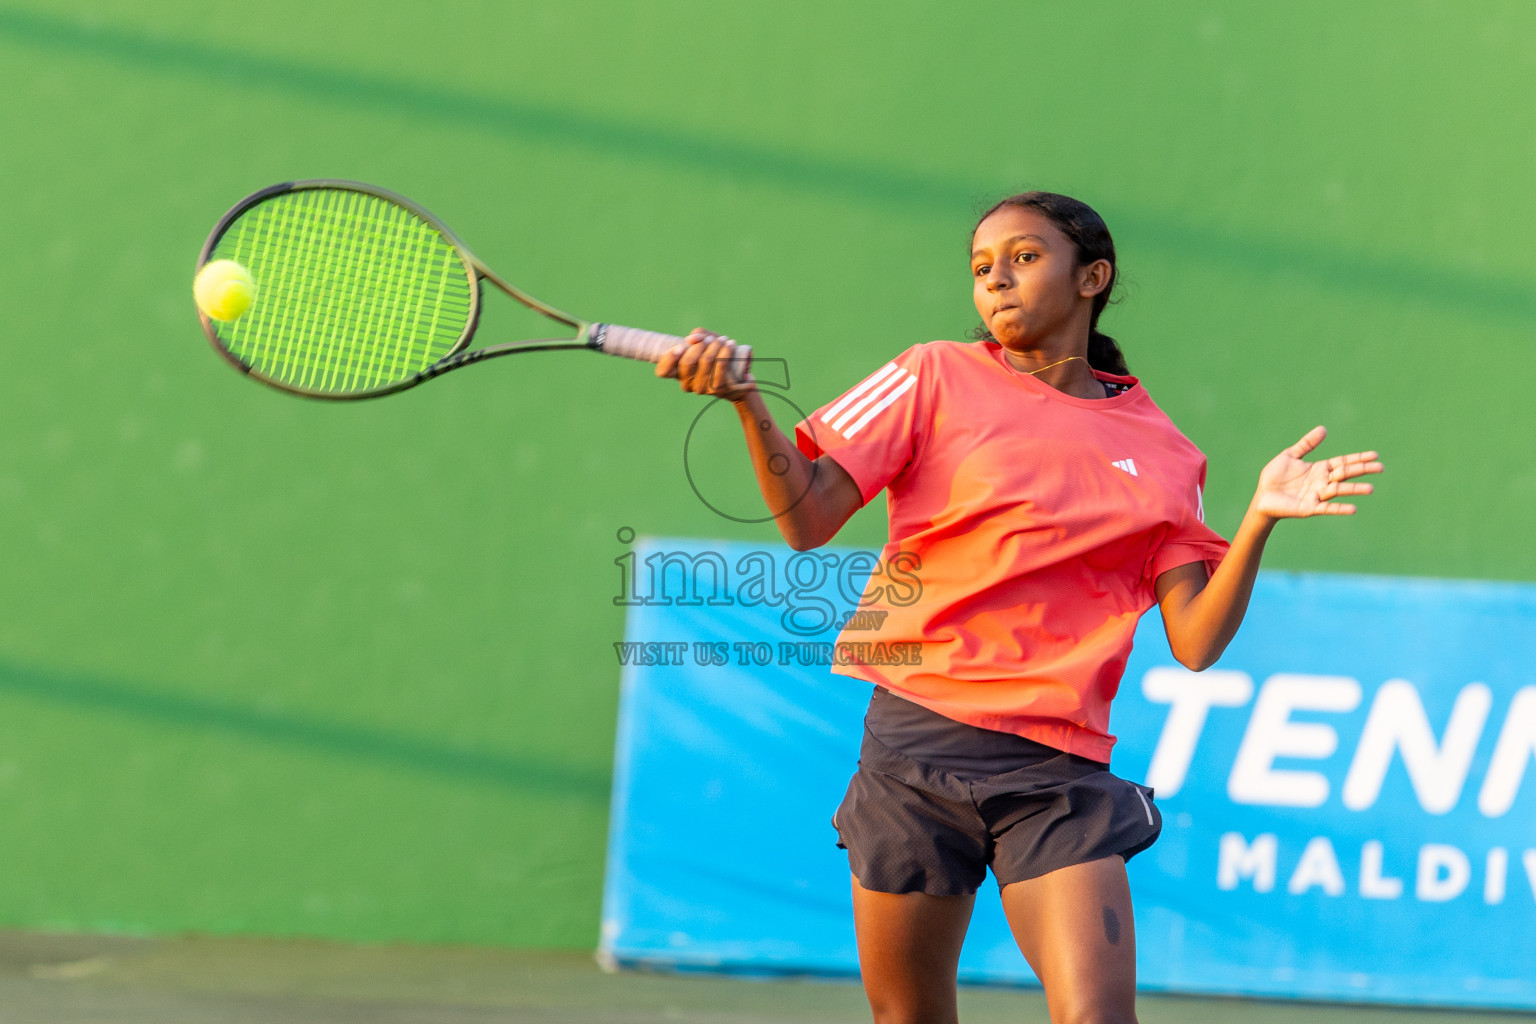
point(339, 739)
point(848, 180)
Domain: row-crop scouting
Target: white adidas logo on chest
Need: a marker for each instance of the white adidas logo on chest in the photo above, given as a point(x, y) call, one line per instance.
point(1129, 465)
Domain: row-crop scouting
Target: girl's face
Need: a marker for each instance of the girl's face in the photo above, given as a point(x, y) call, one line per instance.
point(1028, 284)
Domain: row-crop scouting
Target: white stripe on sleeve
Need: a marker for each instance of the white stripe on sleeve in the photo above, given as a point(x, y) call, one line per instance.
point(873, 396)
point(851, 396)
point(882, 404)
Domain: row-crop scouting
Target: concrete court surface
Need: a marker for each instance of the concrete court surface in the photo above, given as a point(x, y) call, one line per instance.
point(81, 979)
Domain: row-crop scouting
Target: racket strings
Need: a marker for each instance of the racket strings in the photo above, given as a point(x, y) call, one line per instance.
point(354, 292)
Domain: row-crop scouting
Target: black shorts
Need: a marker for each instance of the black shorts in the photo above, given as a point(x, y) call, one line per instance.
point(910, 827)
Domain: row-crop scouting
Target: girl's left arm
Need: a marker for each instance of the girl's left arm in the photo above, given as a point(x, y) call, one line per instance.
point(1201, 614)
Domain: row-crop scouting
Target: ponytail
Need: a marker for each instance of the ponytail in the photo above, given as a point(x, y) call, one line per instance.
point(1104, 355)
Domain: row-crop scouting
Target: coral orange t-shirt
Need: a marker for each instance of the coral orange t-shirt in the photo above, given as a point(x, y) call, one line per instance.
point(1035, 523)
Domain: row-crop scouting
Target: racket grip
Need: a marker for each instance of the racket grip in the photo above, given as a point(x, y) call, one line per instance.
point(650, 346)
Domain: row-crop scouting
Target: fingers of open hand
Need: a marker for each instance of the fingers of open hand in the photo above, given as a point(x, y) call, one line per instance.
point(1343, 467)
point(1330, 480)
point(1310, 440)
point(1338, 488)
point(1333, 490)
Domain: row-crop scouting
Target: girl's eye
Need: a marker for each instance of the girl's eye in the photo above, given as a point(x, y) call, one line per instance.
point(982, 270)
point(1026, 257)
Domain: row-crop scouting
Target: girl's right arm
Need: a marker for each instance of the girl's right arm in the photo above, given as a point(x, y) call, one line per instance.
point(810, 499)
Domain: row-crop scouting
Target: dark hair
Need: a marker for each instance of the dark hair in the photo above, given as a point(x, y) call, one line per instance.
point(1090, 236)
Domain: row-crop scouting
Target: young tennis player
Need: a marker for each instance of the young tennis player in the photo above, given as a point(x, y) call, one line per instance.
point(1050, 502)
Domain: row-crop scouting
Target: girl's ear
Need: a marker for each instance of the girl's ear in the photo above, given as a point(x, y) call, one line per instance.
point(1095, 278)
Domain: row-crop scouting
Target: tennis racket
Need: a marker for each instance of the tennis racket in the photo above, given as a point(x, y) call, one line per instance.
point(360, 292)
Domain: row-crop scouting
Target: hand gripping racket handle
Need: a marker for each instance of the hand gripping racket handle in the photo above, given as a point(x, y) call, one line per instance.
point(650, 346)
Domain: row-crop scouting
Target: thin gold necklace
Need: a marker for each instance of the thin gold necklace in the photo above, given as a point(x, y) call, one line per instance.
point(1056, 363)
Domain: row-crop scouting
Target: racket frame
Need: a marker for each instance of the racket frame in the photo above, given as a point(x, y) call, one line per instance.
point(586, 335)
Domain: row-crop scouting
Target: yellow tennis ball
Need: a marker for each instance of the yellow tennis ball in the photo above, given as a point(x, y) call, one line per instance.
point(224, 289)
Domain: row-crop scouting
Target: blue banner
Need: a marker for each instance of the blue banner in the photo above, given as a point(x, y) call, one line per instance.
point(1349, 796)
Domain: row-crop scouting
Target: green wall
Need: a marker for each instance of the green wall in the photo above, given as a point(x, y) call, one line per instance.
point(283, 667)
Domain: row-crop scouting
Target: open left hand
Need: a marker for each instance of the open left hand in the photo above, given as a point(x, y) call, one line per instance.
point(1292, 488)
